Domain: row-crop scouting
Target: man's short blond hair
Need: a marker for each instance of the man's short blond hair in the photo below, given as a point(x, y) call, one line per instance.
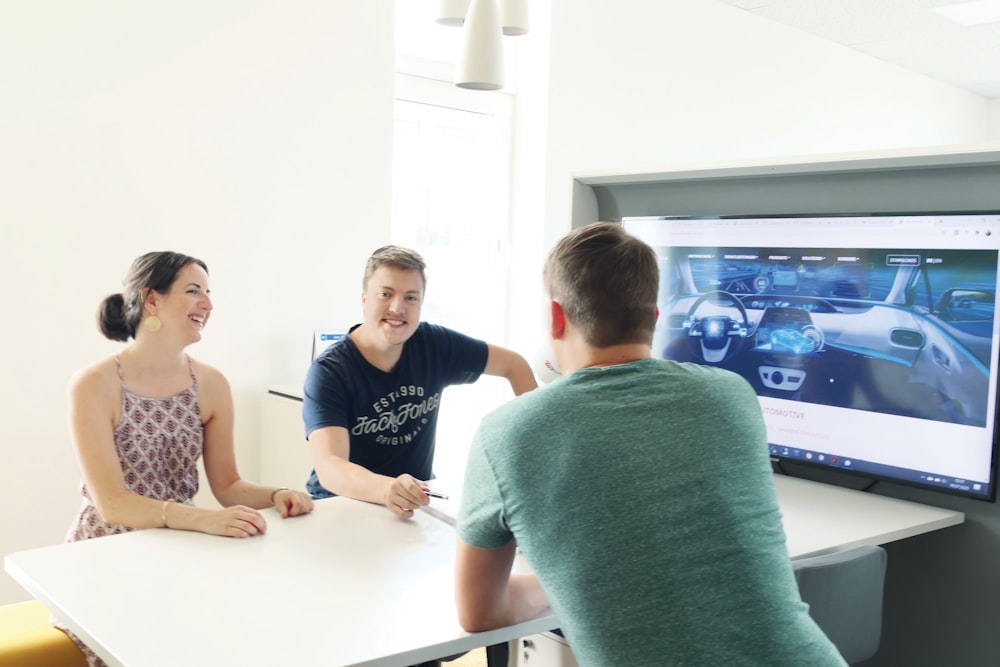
point(397, 257)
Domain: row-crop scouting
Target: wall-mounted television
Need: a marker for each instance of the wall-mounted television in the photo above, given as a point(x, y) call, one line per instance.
point(871, 340)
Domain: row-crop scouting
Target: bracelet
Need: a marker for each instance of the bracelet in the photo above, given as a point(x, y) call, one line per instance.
point(163, 511)
point(275, 492)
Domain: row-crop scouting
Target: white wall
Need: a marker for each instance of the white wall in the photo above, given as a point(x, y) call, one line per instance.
point(526, 325)
point(656, 85)
point(253, 134)
point(649, 84)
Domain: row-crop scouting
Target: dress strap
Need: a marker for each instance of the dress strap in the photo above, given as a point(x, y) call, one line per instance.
point(194, 378)
point(121, 376)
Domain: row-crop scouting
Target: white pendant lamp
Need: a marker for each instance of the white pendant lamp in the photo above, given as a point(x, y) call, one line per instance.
point(514, 17)
point(452, 12)
point(481, 63)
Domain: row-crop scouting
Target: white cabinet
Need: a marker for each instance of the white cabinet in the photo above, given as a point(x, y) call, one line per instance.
point(543, 650)
point(284, 452)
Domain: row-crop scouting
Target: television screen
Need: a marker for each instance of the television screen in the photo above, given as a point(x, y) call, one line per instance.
point(870, 340)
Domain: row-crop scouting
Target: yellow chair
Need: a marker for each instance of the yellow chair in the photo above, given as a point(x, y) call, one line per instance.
point(28, 640)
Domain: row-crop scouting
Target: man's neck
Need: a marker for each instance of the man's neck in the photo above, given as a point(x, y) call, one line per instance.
point(381, 356)
point(602, 357)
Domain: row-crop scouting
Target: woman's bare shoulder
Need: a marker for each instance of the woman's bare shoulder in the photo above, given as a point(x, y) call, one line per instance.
point(214, 394)
point(97, 381)
point(209, 377)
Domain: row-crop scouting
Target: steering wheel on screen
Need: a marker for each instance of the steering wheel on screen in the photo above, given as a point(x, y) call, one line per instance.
point(717, 338)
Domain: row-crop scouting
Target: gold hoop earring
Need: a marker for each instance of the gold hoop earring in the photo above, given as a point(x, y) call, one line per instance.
point(152, 324)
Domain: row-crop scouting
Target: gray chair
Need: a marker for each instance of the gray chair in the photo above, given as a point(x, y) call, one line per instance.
point(844, 593)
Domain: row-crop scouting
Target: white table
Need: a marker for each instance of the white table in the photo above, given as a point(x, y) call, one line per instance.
point(818, 518)
point(821, 518)
point(349, 584)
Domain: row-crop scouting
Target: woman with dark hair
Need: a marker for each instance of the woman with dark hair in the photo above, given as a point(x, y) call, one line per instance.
point(140, 419)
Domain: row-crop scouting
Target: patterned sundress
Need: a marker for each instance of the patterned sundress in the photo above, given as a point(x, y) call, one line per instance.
point(159, 442)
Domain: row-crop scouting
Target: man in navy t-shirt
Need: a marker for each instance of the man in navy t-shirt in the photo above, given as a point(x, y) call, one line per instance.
point(371, 400)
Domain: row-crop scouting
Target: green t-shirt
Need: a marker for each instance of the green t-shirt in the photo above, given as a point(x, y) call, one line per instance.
point(642, 496)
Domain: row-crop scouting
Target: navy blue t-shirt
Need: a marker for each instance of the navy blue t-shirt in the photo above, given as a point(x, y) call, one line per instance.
point(391, 417)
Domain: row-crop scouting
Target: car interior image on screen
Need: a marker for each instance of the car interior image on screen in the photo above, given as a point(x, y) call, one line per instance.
point(871, 340)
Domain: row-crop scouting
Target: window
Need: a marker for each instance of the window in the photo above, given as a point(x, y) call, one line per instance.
point(450, 185)
point(451, 174)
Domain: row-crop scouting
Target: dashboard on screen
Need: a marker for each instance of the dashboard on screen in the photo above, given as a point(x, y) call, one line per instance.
point(871, 341)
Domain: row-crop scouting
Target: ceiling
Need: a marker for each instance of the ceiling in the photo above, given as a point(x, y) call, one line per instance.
point(902, 32)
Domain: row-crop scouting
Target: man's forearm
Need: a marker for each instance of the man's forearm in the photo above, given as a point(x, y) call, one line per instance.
point(522, 379)
point(527, 599)
point(351, 480)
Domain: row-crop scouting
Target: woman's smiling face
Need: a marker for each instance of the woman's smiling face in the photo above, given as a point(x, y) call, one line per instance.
point(187, 306)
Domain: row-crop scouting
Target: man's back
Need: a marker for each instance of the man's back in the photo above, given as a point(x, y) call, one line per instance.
point(641, 494)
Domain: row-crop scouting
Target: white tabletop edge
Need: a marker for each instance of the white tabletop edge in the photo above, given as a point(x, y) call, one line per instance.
point(471, 641)
point(27, 583)
point(849, 517)
point(42, 559)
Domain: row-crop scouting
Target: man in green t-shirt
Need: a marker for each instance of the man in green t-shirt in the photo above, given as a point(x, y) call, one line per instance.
point(638, 489)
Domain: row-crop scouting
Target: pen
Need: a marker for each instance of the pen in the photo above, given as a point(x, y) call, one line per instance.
point(435, 494)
